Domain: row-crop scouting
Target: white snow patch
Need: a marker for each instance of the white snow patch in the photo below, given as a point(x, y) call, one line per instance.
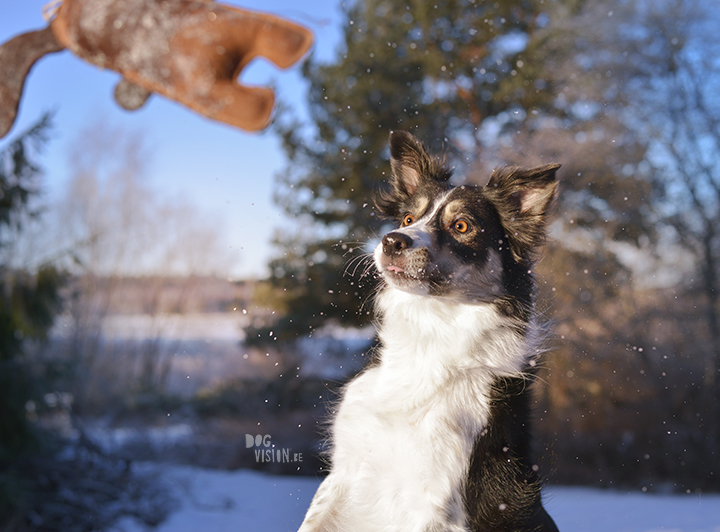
point(217, 501)
point(115, 439)
point(593, 510)
point(252, 501)
point(213, 326)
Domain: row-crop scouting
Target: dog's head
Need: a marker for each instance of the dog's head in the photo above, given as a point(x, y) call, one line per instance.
point(475, 244)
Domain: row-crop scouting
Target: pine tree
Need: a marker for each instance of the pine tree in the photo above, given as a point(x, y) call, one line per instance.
point(28, 302)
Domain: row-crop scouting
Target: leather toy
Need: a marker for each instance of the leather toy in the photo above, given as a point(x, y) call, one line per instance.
point(191, 51)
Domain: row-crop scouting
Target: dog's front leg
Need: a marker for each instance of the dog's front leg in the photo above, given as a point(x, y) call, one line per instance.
point(323, 514)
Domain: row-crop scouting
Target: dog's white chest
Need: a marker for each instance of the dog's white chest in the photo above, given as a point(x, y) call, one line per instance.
point(399, 468)
point(404, 432)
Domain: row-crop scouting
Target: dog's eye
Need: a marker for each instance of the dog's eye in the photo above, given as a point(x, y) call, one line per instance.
point(461, 226)
point(408, 219)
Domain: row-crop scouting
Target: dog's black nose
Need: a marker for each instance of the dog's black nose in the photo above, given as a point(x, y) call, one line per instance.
point(394, 243)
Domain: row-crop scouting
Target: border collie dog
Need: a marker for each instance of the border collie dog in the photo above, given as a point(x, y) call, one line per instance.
point(434, 435)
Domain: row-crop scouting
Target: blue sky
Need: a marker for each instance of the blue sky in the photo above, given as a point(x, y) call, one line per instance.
point(225, 171)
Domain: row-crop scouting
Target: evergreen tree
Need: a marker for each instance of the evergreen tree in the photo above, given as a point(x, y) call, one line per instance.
point(28, 302)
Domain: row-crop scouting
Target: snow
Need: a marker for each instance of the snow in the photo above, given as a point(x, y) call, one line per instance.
point(252, 501)
point(190, 327)
point(592, 510)
point(218, 501)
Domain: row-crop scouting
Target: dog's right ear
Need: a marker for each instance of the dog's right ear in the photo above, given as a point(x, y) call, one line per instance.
point(408, 158)
point(411, 163)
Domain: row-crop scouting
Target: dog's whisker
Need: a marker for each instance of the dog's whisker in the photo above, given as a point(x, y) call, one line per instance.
point(365, 260)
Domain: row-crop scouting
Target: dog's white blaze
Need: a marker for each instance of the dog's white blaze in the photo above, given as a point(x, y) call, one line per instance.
point(405, 429)
point(418, 230)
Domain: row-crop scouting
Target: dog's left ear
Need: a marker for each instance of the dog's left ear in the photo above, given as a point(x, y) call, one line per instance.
point(523, 198)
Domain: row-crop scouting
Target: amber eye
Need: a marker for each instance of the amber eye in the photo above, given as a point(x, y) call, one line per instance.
point(408, 219)
point(461, 226)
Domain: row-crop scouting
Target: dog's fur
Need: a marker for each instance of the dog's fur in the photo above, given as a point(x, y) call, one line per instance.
point(435, 435)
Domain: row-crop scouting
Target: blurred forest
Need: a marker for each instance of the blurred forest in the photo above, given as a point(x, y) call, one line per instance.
point(621, 92)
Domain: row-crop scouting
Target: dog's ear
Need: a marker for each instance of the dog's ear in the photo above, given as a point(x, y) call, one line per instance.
point(411, 165)
point(408, 160)
point(523, 198)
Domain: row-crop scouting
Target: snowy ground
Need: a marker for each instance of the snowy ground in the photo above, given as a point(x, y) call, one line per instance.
point(249, 501)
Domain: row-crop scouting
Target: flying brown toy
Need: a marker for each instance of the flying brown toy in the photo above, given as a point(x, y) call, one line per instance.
point(191, 51)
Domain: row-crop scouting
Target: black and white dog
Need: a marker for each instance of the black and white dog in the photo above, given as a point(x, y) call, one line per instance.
point(434, 437)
